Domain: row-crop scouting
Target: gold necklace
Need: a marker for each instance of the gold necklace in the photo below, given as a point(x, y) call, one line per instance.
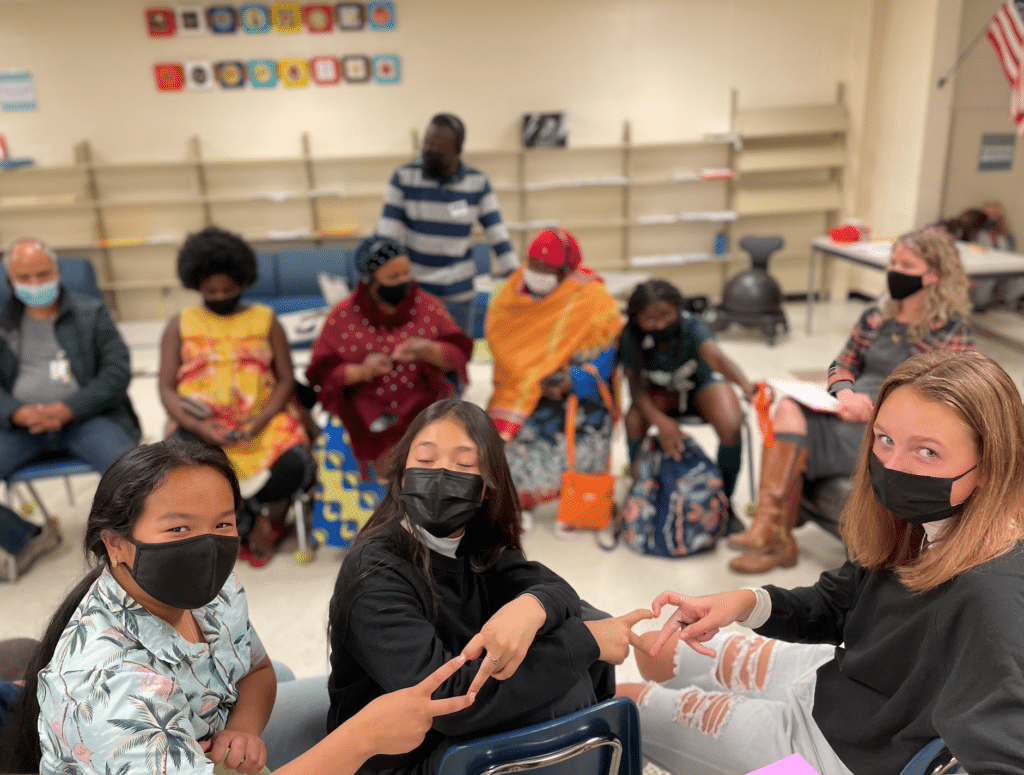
point(192, 626)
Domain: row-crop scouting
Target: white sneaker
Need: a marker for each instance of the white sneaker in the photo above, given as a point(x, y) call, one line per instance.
point(525, 522)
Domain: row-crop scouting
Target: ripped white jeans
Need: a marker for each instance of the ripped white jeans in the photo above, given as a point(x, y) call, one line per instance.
point(747, 708)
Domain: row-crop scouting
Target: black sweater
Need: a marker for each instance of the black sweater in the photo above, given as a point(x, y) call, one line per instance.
point(912, 667)
point(384, 637)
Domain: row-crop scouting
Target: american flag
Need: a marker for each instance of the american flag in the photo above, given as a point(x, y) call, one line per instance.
point(1006, 32)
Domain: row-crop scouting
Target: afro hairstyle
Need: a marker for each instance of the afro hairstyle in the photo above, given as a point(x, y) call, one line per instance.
point(216, 251)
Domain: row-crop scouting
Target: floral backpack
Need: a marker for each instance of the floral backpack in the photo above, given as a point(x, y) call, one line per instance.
point(675, 508)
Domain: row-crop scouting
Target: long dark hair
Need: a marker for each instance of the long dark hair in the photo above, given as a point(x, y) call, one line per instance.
point(119, 502)
point(489, 534)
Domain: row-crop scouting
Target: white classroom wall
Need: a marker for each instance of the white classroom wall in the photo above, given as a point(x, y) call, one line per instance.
point(668, 67)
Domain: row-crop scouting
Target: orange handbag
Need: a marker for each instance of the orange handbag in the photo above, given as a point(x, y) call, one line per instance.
point(586, 498)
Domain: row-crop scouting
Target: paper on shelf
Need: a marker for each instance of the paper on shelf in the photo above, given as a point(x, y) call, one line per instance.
point(619, 180)
point(647, 220)
point(163, 239)
point(315, 192)
point(287, 234)
point(806, 393)
point(715, 216)
point(273, 196)
point(717, 173)
point(669, 259)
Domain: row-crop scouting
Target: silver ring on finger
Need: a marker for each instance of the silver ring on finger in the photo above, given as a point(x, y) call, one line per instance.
point(495, 660)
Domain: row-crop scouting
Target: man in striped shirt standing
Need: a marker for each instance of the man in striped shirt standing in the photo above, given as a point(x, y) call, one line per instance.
point(430, 207)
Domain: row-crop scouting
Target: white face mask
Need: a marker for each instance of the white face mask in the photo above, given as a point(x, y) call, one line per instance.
point(539, 283)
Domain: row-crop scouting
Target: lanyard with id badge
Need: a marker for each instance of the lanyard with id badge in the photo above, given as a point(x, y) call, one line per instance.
point(60, 370)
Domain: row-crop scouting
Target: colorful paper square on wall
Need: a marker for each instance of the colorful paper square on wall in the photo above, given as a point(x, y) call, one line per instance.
point(286, 17)
point(160, 22)
point(318, 18)
point(230, 75)
point(170, 76)
point(223, 19)
point(351, 16)
point(356, 68)
point(263, 73)
point(325, 71)
point(255, 18)
point(381, 15)
point(387, 68)
point(294, 73)
point(191, 20)
point(199, 75)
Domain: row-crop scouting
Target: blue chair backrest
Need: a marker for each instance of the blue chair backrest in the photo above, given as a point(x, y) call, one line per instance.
point(592, 733)
point(76, 274)
point(482, 258)
point(928, 760)
point(266, 282)
point(297, 270)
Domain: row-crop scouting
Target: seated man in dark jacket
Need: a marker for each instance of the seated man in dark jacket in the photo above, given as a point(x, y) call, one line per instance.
point(64, 372)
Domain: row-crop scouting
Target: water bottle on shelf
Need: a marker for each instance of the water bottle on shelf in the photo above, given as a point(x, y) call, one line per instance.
point(721, 245)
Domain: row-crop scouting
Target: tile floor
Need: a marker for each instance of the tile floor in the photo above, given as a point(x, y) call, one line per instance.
point(288, 602)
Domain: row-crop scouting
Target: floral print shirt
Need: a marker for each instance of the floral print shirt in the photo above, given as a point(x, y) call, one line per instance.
point(125, 693)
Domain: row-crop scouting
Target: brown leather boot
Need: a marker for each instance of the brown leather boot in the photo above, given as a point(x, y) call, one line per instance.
point(781, 548)
point(781, 465)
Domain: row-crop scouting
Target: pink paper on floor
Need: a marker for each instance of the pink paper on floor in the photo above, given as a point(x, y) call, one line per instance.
point(791, 765)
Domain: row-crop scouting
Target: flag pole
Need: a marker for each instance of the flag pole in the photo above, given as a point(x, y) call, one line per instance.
point(960, 59)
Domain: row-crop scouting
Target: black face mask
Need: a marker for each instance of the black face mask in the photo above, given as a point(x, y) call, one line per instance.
point(187, 573)
point(912, 497)
point(441, 501)
point(650, 339)
point(394, 294)
point(223, 306)
point(903, 285)
point(434, 165)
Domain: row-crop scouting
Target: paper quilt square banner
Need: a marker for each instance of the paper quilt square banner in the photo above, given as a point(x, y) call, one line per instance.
point(351, 16)
point(286, 17)
point(230, 75)
point(255, 18)
point(294, 73)
point(199, 75)
point(387, 68)
point(223, 19)
point(263, 73)
point(170, 76)
point(325, 71)
point(791, 765)
point(381, 14)
point(191, 20)
point(318, 18)
point(356, 68)
point(160, 22)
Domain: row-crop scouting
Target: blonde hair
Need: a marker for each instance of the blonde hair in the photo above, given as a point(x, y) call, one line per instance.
point(946, 297)
point(977, 390)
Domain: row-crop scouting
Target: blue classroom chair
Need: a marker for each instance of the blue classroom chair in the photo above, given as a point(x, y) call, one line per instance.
point(600, 740)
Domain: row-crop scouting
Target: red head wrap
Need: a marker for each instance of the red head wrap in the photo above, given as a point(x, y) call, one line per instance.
point(557, 248)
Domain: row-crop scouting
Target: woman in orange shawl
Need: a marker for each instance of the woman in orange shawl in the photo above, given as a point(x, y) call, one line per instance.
point(552, 317)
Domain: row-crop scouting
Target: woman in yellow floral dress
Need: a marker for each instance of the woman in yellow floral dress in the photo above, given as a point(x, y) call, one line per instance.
point(226, 378)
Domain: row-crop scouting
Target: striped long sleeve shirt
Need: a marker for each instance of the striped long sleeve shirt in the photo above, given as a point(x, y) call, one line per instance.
point(433, 219)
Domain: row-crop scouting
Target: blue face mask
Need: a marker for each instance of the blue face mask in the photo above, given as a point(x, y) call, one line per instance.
point(37, 295)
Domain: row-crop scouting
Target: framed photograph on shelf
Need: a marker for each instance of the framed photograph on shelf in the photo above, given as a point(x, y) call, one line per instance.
point(545, 130)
